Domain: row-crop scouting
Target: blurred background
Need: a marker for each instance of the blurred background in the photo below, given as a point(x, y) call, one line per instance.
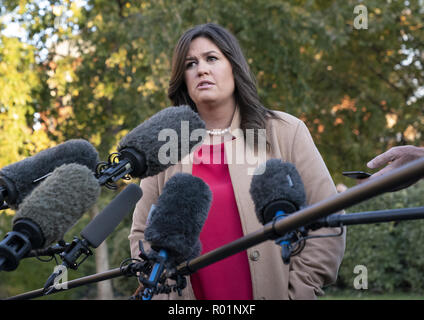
point(95, 69)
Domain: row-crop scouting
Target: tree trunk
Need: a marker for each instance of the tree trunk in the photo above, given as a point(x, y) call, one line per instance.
point(104, 288)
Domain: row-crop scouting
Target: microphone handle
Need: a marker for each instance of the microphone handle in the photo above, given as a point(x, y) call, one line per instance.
point(130, 162)
point(155, 275)
point(115, 172)
point(368, 217)
point(285, 241)
point(70, 257)
point(110, 274)
point(12, 248)
point(77, 248)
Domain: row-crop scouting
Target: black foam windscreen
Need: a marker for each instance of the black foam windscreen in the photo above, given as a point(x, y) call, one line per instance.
point(151, 138)
point(60, 201)
point(175, 222)
point(106, 221)
point(279, 186)
point(20, 178)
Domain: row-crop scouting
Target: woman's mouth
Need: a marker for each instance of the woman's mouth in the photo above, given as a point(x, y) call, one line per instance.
point(205, 84)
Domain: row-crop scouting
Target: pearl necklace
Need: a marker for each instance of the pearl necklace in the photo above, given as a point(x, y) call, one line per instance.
point(218, 132)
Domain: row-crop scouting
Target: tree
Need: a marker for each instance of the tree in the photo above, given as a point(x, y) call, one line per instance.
point(18, 79)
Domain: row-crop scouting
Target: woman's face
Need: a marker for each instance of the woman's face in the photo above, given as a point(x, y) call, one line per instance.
point(208, 74)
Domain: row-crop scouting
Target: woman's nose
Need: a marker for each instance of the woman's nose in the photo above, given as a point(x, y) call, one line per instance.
point(202, 68)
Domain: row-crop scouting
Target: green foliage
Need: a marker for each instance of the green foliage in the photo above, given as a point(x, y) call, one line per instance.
point(392, 251)
point(18, 80)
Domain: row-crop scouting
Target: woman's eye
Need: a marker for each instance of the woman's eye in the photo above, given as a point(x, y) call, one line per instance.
point(212, 58)
point(190, 64)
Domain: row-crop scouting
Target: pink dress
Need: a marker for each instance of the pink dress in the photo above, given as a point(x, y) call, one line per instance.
point(228, 279)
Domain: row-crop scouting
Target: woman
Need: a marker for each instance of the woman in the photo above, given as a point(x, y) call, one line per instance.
point(210, 74)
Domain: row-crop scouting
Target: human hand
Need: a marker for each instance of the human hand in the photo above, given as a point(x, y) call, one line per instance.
point(394, 158)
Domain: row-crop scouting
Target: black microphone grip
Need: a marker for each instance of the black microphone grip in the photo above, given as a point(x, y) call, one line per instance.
point(368, 217)
point(131, 162)
point(12, 248)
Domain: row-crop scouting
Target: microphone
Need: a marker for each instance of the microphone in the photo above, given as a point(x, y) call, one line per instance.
point(279, 188)
point(98, 230)
point(276, 193)
point(140, 152)
point(106, 221)
point(49, 212)
point(19, 179)
point(174, 224)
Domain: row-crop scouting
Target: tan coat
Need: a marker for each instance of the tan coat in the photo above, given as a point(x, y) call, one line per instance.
point(317, 265)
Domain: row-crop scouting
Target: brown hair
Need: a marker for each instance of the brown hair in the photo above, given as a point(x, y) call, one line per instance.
point(253, 113)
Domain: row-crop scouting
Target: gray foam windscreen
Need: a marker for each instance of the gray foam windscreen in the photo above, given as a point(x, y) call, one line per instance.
point(60, 200)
